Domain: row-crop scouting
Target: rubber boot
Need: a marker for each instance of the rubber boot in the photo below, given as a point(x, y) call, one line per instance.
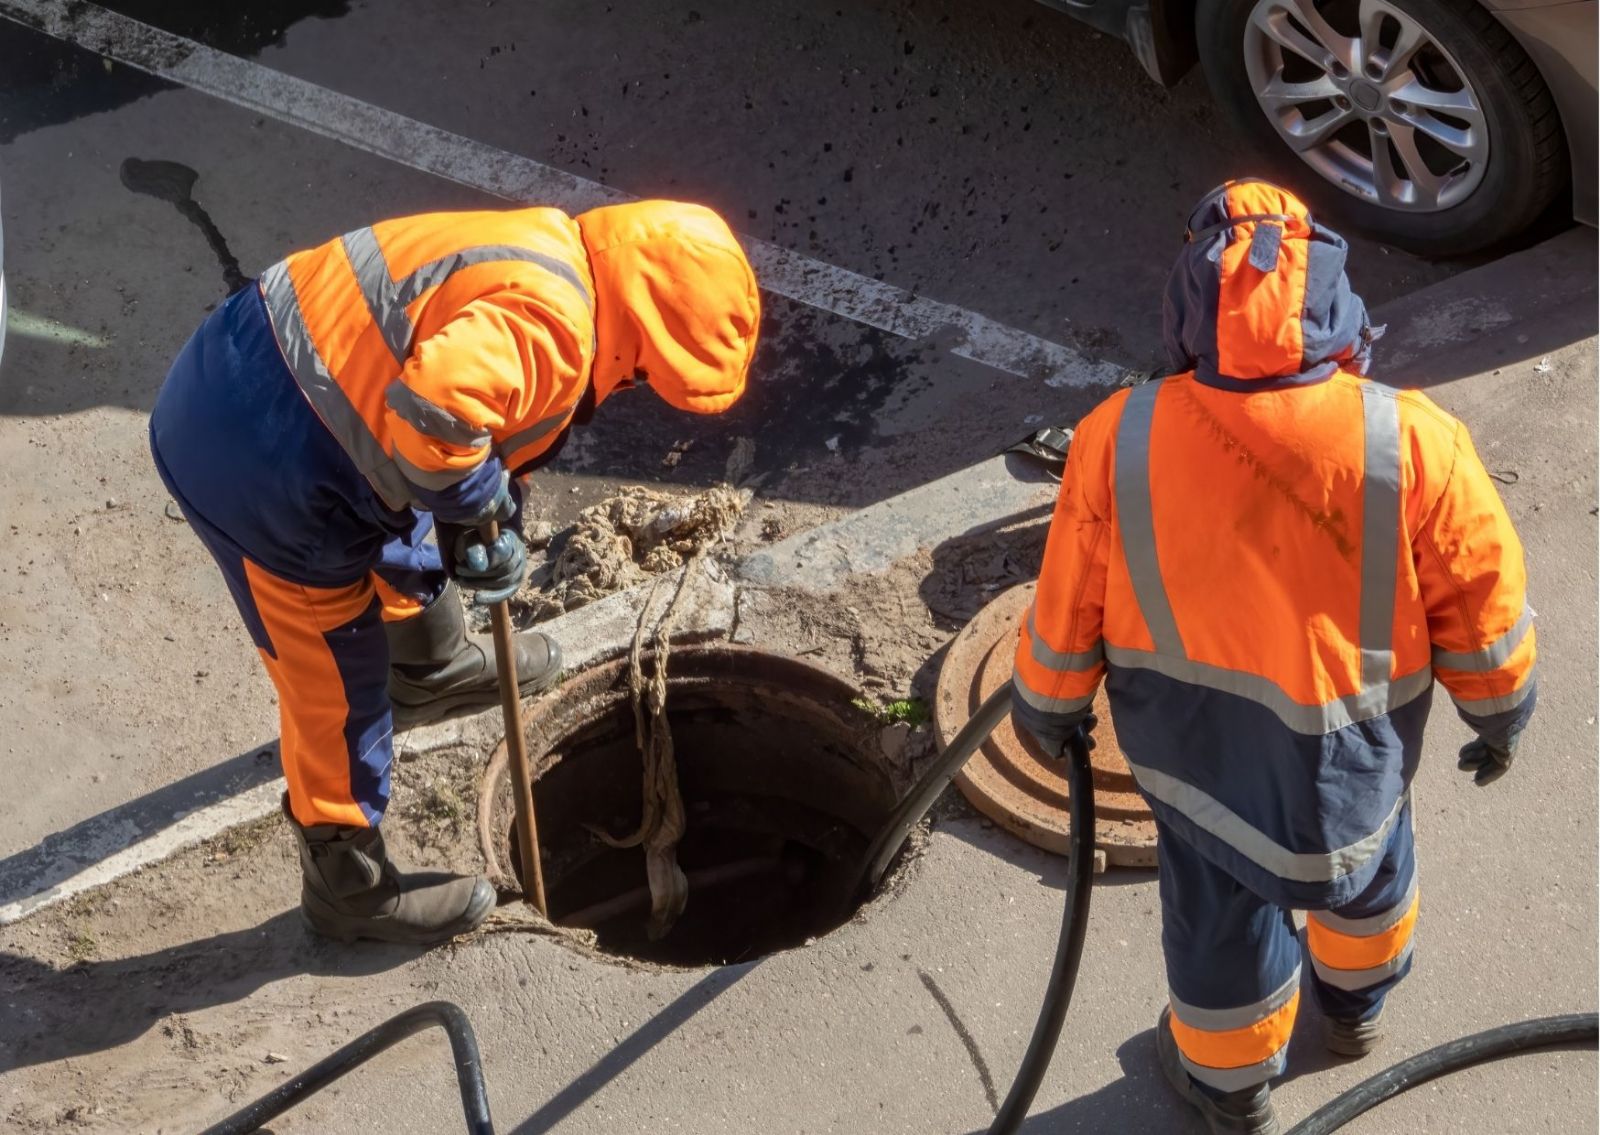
point(438, 670)
point(1247, 1112)
point(1353, 1037)
point(350, 890)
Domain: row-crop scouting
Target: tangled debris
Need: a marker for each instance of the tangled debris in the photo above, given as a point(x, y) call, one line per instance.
point(624, 540)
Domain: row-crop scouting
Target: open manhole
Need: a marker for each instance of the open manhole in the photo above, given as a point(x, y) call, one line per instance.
point(783, 784)
point(1010, 778)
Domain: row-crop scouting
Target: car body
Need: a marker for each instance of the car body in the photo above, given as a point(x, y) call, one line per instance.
point(1169, 37)
point(3, 301)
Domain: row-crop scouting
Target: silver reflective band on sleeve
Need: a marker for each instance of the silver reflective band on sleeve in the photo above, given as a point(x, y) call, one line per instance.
point(1314, 720)
point(433, 480)
point(1136, 519)
point(430, 420)
point(1493, 656)
point(1505, 703)
point(1239, 1079)
point(388, 298)
point(1049, 705)
point(1215, 818)
point(324, 393)
point(378, 289)
point(1222, 1020)
point(1054, 659)
point(1355, 979)
point(1380, 532)
point(544, 427)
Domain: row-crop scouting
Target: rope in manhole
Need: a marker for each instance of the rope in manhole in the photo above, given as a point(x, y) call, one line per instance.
point(662, 824)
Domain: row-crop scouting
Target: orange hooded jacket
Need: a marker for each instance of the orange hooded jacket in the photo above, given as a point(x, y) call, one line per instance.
point(439, 349)
point(1270, 560)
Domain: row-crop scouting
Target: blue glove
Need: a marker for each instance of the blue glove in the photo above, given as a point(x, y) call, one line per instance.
point(492, 571)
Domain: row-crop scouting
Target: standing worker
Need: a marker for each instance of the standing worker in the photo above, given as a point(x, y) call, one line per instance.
point(322, 419)
point(1271, 559)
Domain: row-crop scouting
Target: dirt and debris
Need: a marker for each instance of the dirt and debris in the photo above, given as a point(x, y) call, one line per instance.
point(624, 540)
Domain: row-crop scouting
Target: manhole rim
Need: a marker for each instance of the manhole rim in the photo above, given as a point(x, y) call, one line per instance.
point(601, 688)
point(985, 783)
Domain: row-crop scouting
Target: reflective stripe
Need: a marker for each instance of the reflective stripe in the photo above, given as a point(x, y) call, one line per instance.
point(1335, 949)
point(1493, 656)
point(378, 289)
point(438, 271)
point(1054, 659)
point(1215, 818)
point(1136, 521)
point(388, 298)
point(324, 393)
point(1050, 705)
point(1380, 532)
point(1221, 1020)
point(435, 480)
point(1352, 980)
point(1504, 703)
point(1313, 720)
point(542, 428)
point(1375, 924)
point(1238, 1079)
point(430, 420)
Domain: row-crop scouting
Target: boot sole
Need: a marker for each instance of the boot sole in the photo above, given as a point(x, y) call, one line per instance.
point(346, 928)
point(1178, 1076)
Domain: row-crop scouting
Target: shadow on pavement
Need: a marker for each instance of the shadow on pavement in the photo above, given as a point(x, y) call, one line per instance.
point(1139, 1101)
point(34, 871)
point(614, 1063)
point(56, 1014)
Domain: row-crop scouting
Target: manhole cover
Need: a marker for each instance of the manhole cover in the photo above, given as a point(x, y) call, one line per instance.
point(784, 786)
point(1010, 779)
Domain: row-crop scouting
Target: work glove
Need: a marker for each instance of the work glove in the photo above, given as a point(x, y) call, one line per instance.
point(1488, 761)
point(492, 571)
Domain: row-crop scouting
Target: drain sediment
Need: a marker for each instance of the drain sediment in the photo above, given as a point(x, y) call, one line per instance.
point(783, 786)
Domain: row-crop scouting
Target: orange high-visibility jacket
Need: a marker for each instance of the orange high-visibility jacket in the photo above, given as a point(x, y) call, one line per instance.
point(439, 349)
point(1270, 559)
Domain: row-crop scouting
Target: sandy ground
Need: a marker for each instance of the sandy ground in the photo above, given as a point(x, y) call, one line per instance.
point(127, 690)
point(177, 994)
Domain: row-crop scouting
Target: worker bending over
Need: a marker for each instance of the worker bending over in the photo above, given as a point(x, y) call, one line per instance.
point(323, 419)
point(1271, 559)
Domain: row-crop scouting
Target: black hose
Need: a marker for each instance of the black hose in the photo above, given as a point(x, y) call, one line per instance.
point(910, 811)
point(1069, 947)
point(1451, 1056)
point(463, 1047)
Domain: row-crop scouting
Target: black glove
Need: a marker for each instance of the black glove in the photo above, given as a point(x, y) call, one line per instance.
point(1488, 761)
point(493, 572)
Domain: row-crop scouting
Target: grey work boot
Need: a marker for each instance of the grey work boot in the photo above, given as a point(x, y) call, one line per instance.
point(438, 670)
point(350, 890)
point(1247, 1112)
point(1351, 1036)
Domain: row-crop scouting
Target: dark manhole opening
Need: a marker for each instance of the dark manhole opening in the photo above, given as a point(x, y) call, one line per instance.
point(783, 784)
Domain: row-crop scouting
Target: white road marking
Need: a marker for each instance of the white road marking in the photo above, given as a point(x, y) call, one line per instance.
point(186, 831)
point(398, 138)
point(868, 540)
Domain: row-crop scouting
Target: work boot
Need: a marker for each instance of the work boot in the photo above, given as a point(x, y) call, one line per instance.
point(438, 670)
point(1247, 1112)
point(1351, 1036)
point(350, 890)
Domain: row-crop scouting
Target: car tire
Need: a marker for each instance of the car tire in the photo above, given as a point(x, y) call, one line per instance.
point(1526, 164)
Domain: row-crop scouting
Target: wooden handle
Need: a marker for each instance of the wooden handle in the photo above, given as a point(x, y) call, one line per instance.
point(505, 659)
